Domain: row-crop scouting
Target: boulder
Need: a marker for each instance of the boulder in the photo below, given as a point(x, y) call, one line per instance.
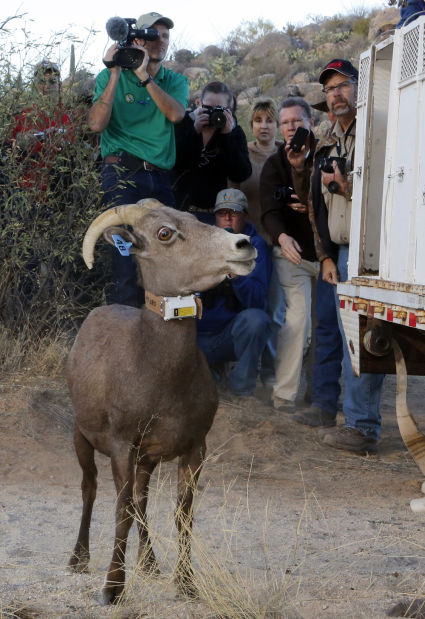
point(266, 81)
point(313, 89)
point(382, 22)
point(268, 46)
point(247, 96)
point(316, 98)
point(208, 53)
point(300, 78)
point(287, 90)
point(194, 73)
point(306, 34)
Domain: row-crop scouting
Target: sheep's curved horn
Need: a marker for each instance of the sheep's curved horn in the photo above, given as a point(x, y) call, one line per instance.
point(414, 440)
point(126, 214)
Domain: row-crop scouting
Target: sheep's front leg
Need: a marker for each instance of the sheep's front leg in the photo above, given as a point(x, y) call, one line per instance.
point(85, 453)
point(190, 466)
point(122, 462)
point(146, 558)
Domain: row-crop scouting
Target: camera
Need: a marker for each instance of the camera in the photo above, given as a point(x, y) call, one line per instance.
point(217, 117)
point(285, 194)
point(326, 164)
point(124, 31)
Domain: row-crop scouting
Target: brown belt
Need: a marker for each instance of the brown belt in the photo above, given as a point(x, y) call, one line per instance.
point(143, 164)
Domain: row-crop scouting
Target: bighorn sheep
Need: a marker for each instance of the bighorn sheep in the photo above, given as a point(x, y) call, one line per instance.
point(141, 388)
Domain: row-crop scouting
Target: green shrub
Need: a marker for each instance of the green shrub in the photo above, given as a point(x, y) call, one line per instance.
point(47, 199)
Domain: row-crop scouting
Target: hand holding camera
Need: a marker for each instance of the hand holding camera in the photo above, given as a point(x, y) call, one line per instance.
point(213, 118)
point(127, 55)
point(288, 196)
point(296, 148)
point(333, 174)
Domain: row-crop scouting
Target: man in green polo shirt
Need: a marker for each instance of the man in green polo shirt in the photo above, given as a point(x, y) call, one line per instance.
point(135, 111)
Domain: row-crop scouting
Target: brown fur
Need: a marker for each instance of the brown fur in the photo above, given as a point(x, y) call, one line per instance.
point(142, 390)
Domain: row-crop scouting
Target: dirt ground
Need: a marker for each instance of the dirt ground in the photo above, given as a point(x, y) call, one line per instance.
point(285, 527)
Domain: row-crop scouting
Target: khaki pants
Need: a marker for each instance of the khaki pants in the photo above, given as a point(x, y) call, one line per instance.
point(297, 282)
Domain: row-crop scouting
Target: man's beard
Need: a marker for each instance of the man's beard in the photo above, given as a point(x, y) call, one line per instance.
point(341, 111)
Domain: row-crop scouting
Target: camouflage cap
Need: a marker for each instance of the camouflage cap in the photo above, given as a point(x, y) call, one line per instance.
point(46, 65)
point(149, 19)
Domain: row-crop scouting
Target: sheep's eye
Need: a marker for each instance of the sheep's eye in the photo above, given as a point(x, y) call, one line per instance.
point(164, 233)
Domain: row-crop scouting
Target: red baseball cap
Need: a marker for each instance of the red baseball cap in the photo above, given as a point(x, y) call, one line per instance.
point(338, 65)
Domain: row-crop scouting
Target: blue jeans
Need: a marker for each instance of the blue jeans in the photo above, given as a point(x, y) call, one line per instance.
point(121, 186)
point(242, 340)
point(362, 395)
point(328, 351)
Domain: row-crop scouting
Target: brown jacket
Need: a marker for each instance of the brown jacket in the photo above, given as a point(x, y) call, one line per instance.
point(276, 214)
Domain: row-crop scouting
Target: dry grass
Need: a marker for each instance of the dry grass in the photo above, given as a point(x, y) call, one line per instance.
point(32, 353)
point(250, 561)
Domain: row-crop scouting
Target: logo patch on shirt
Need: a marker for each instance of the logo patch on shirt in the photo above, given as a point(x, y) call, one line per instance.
point(129, 97)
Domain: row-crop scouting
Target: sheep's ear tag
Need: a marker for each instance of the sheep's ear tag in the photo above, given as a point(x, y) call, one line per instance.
point(121, 245)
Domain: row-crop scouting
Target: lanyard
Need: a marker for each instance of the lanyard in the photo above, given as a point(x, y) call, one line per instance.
point(346, 135)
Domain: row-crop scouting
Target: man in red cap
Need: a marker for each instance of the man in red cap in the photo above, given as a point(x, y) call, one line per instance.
point(330, 209)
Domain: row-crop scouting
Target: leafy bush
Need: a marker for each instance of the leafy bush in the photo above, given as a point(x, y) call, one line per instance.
point(47, 200)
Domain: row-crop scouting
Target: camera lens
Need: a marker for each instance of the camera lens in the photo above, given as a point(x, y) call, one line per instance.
point(128, 57)
point(333, 187)
point(217, 118)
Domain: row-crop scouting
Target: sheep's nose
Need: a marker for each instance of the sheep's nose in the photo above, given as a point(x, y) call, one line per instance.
point(243, 243)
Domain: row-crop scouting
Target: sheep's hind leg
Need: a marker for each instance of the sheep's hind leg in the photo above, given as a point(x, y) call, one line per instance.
point(85, 452)
point(146, 557)
point(122, 462)
point(190, 466)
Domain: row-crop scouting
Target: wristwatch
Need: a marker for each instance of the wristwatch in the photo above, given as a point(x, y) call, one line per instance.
point(147, 81)
point(109, 64)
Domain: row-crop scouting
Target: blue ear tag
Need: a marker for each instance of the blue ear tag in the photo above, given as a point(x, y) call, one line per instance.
point(121, 245)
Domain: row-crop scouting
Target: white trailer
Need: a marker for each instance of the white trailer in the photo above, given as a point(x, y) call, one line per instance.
point(383, 302)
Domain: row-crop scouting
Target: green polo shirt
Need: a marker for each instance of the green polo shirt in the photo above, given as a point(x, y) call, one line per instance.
point(137, 125)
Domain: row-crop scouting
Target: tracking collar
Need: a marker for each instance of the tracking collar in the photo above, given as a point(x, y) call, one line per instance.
point(171, 308)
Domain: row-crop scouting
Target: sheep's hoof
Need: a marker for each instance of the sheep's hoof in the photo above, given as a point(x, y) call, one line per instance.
point(112, 594)
point(415, 609)
point(79, 562)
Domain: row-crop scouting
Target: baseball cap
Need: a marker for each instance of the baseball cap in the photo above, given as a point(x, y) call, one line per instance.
point(46, 65)
point(233, 199)
point(149, 19)
point(338, 65)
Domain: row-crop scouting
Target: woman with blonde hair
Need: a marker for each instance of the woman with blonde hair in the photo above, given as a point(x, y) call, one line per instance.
point(264, 120)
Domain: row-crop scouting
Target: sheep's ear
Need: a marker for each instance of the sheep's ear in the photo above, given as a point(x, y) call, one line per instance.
point(127, 236)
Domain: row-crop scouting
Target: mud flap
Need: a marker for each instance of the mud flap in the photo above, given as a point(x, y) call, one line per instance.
point(351, 323)
point(412, 437)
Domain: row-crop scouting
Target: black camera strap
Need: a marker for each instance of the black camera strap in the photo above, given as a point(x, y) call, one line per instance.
point(346, 135)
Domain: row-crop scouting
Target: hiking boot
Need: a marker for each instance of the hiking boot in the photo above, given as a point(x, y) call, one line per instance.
point(350, 439)
point(284, 406)
point(315, 417)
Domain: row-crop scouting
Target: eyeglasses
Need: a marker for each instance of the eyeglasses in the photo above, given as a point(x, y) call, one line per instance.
point(227, 212)
point(341, 86)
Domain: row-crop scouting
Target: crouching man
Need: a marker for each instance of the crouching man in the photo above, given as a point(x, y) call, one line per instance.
point(235, 325)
